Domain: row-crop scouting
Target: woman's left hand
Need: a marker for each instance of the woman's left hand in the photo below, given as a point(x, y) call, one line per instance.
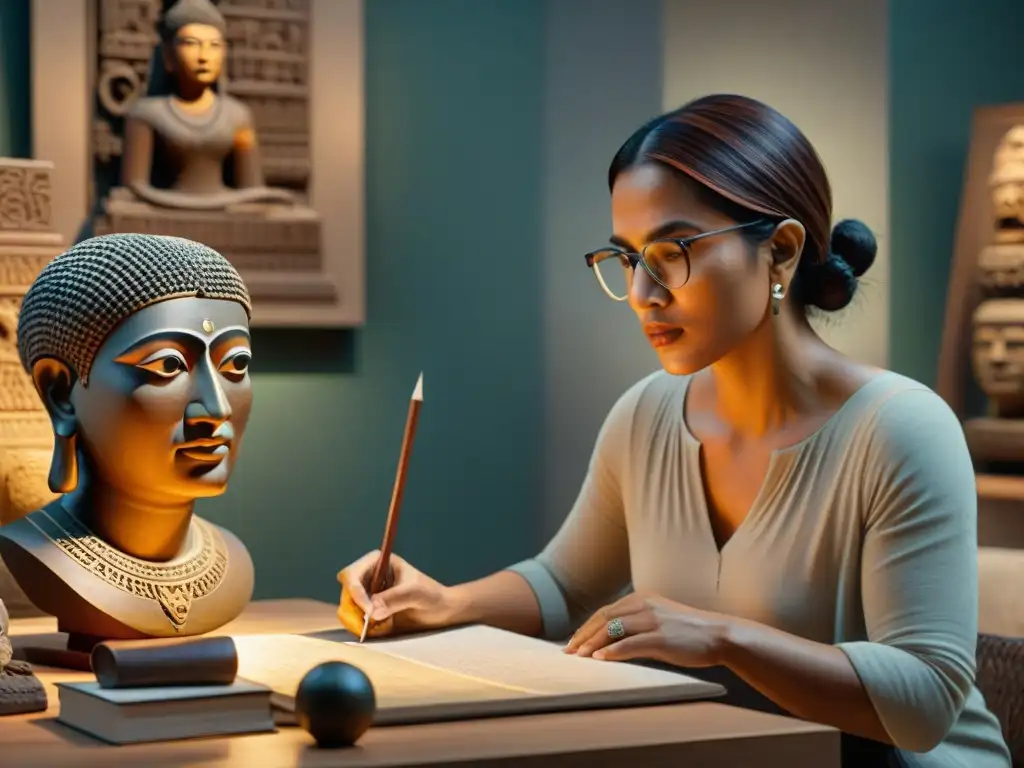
point(651, 627)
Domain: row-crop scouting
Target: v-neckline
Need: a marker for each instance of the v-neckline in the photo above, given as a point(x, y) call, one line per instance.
point(769, 485)
point(761, 499)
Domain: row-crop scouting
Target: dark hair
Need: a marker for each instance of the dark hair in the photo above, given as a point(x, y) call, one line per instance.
point(752, 163)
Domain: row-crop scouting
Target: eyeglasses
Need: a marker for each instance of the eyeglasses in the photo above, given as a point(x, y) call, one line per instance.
point(666, 260)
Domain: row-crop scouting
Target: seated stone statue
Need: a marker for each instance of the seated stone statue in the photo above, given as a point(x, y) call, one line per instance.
point(191, 166)
point(178, 137)
point(139, 348)
point(20, 690)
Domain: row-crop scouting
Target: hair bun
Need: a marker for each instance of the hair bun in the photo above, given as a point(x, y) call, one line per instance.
point(854, 243)
point(831, 284)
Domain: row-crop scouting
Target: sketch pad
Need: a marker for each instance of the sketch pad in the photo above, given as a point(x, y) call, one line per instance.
point(464, 673)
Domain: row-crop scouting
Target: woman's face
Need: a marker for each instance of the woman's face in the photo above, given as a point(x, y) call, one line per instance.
point(168, 400)
point(727, 295)
point(199, 53)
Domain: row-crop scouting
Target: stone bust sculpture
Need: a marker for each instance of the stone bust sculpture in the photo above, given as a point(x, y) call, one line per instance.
point(139, 348)
point(184, 138)
point(998, 354)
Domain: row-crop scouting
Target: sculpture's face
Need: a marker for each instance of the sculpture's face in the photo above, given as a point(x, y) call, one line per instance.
point(199, 53)
point(999, 347)
point(168, 400)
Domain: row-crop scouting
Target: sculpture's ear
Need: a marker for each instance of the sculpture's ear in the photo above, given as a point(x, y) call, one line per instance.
point(54, 381)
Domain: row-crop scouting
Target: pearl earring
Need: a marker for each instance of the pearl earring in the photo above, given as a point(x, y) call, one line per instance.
point(778, 294)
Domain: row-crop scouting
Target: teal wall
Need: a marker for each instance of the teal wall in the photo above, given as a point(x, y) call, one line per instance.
point(453, 166)
point(454, 153)
point(947, 57)
point(15, 87)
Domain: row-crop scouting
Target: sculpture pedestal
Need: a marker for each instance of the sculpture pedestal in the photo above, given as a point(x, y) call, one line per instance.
point(996, 443)
point(275, 248)
point(1002, 267)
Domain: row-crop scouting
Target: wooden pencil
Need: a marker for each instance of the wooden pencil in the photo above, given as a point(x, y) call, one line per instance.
point(380, 578)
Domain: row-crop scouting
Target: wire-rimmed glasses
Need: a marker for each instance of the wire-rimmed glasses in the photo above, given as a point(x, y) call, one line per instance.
point(667, 260)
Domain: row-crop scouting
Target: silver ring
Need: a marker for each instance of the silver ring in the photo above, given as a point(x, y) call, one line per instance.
point(615, 629)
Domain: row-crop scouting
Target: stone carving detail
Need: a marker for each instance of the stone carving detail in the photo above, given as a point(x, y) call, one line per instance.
point(26, 244)
point(127, 36)
point(24, 197)
point(174, 586)
point(17, 394)
point(268, 68)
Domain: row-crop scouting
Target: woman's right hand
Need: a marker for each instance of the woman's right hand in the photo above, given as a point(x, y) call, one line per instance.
point(412, 601)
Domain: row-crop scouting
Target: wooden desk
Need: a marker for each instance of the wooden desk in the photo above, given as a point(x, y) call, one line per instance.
point(699, 734)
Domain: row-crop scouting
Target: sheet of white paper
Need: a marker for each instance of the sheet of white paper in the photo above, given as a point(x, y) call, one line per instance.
point(525, 662)
point(281, 661)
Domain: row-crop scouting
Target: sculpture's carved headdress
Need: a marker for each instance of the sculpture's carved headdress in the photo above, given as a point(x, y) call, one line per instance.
point(185, 12)
point(81, 296)
point(1007, 184)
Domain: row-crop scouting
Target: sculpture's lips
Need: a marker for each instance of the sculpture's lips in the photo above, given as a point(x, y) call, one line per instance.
point(205, 449)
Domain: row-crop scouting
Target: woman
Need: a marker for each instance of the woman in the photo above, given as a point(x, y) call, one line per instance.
point(803, 520)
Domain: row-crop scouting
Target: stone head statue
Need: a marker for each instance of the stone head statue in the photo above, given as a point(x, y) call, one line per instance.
point(1007, 184)
point(139, 347)
point(998, 353)
point(190, 56)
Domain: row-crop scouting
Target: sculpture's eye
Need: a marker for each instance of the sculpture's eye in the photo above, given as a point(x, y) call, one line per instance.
point(236, 364)
point(167, 363)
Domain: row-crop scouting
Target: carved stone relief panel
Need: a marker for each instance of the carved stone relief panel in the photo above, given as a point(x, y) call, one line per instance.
point(27, 243)
point(127, 36)
point(277, 248)
point(296, 67)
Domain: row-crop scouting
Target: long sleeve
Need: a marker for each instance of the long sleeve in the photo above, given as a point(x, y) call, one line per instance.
point(919, 578)
point(587, 562)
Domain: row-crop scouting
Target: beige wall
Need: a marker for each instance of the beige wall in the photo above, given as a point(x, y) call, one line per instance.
point(824, 64)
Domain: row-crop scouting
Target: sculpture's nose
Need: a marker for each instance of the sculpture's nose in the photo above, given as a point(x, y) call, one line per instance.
point(209, 404)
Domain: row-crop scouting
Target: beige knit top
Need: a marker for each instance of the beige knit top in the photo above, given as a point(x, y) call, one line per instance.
point(863, 536)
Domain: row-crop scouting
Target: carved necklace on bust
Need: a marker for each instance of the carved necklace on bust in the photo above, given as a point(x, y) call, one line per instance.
point(173, 584)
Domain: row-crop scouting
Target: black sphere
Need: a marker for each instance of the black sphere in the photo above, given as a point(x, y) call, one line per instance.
point(335, 703)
